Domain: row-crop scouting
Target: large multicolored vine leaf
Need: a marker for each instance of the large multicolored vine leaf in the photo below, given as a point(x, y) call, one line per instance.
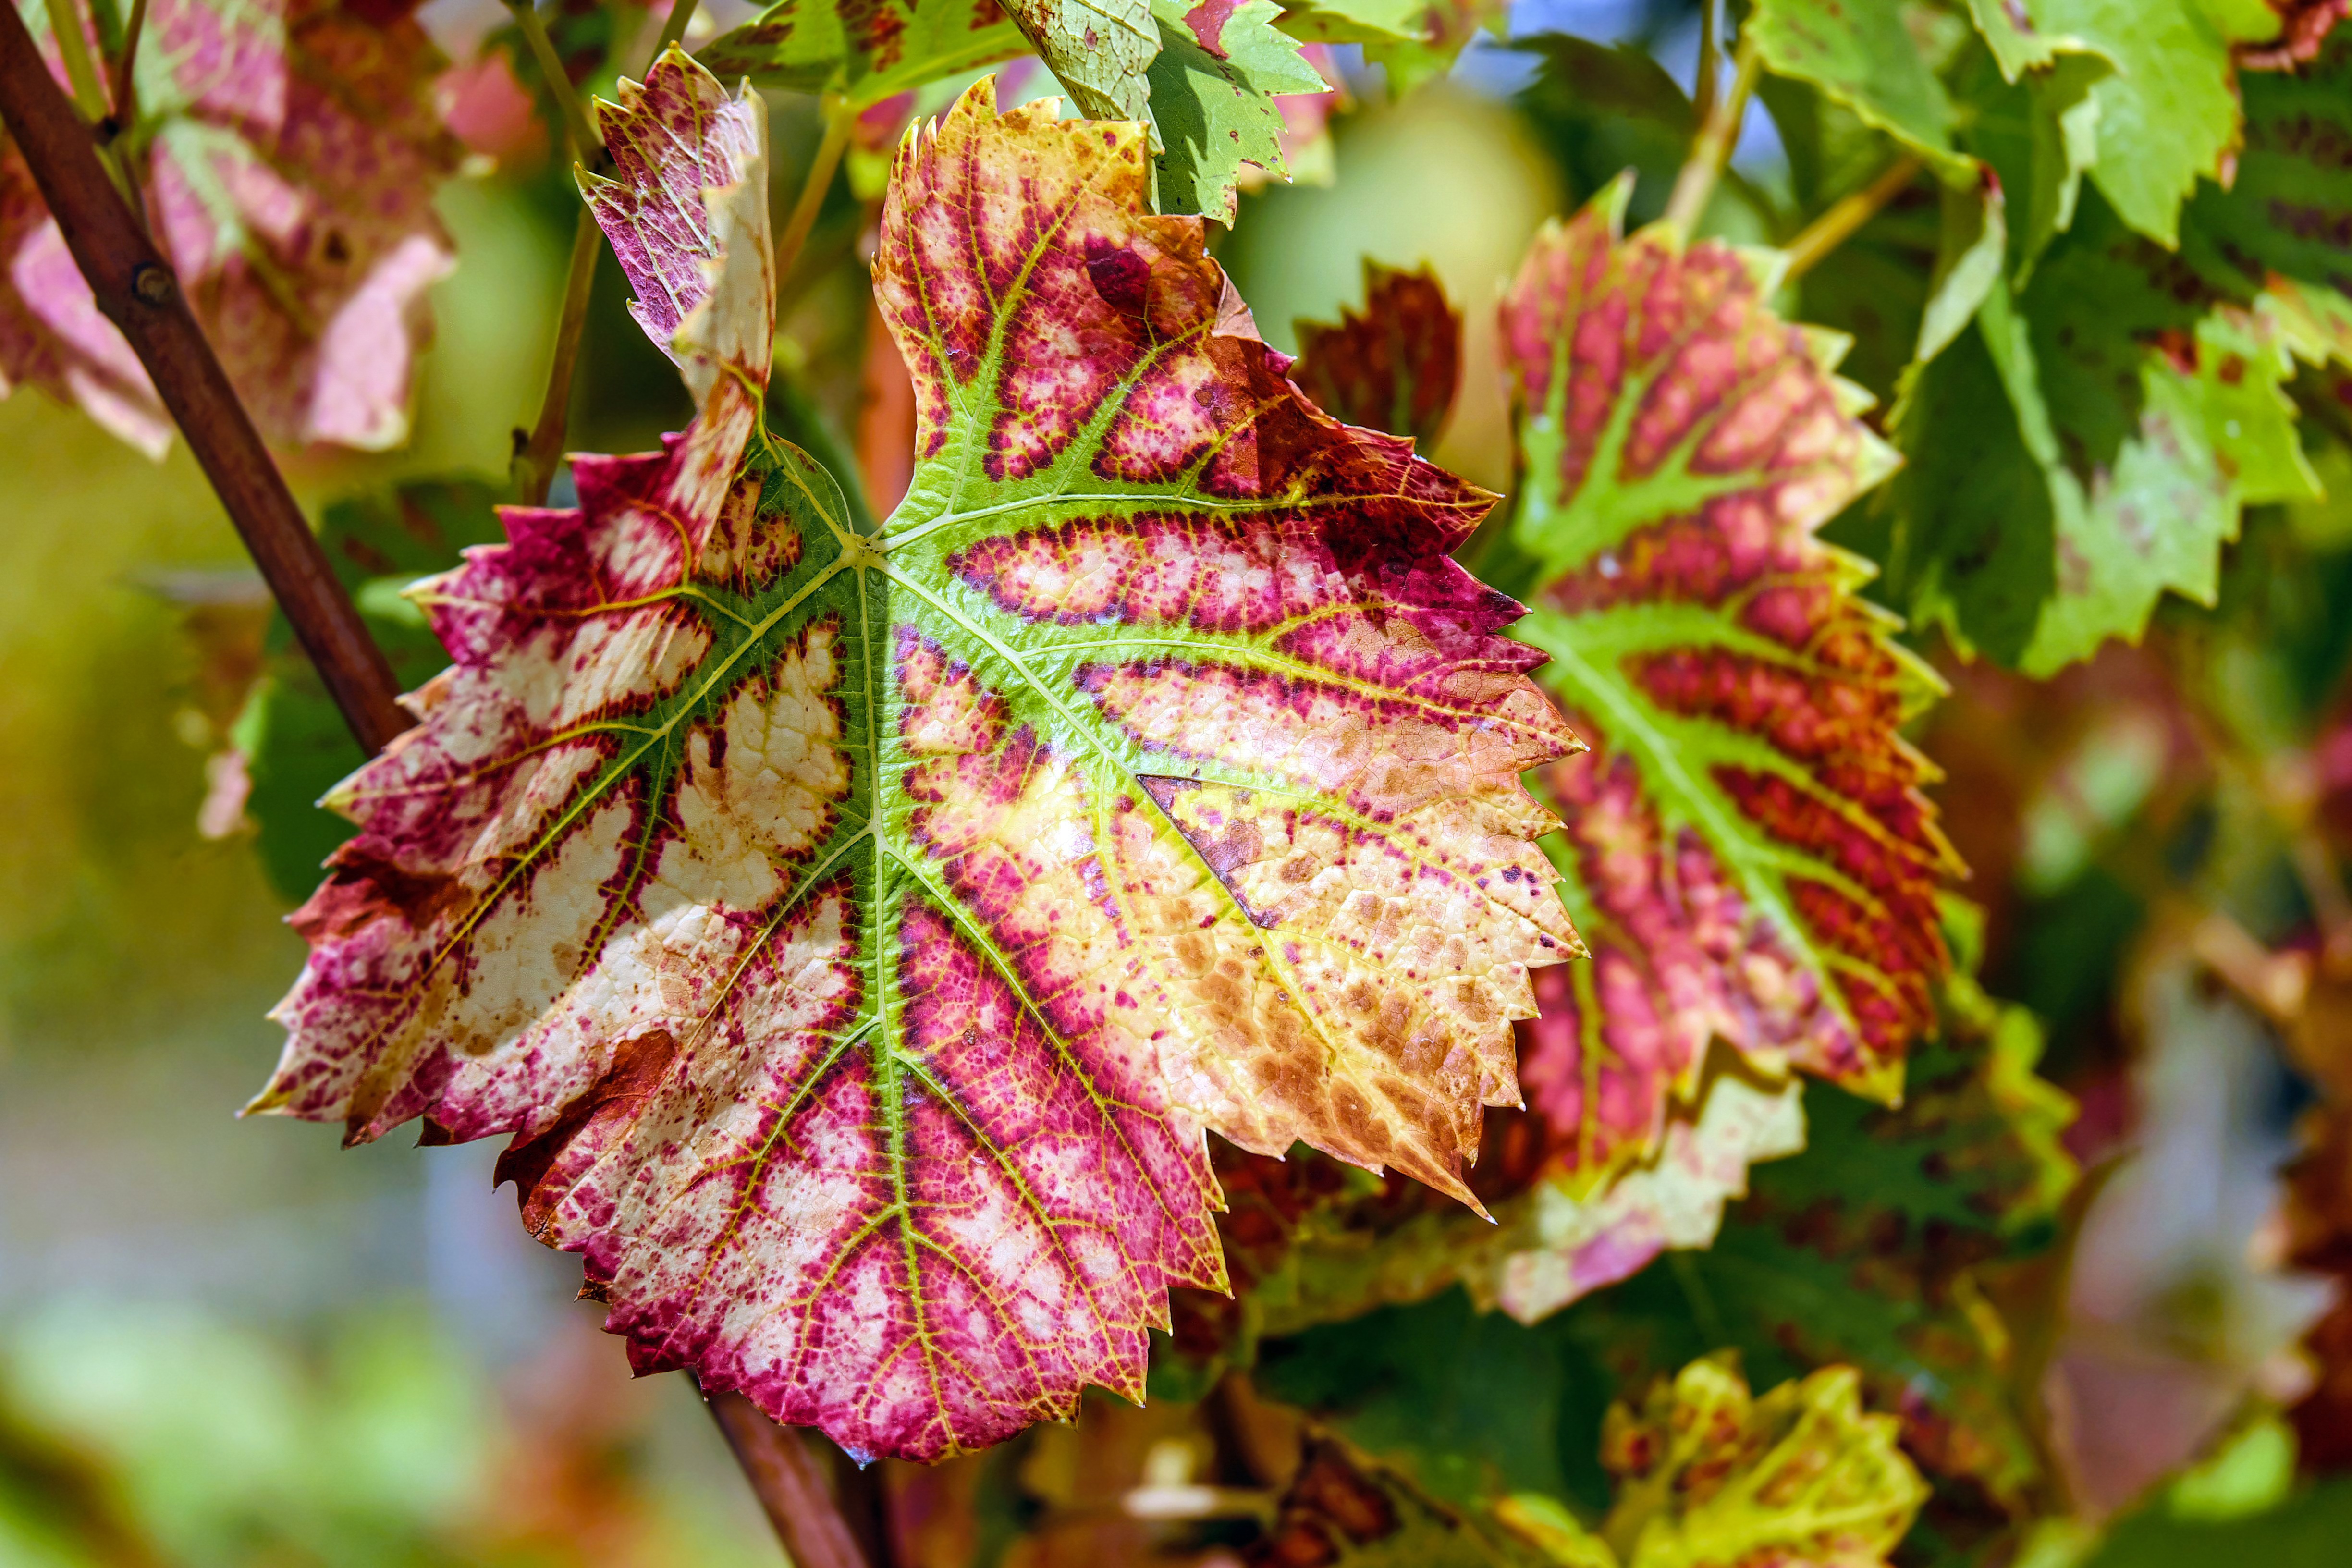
point(289, 153)
point(857, 931)
point(1748, 851)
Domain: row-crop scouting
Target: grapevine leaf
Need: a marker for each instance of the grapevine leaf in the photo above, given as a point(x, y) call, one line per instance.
point(1867, 58)
point(2017, 41)
point(1710, 1477)
point(1099, 50)
point(1410, 40)
point(1564, 1243)
point(1394, 366)
point(289, 153)
point(2041, 135)
point(295, 742)
point(858, 930)
point(1747, 849)
point(2169, 114)
point(1970, 262)
point(2001, 537)
point(868, 52)
point(2289, 209)
point(1346, 1511)
point(1213, 88)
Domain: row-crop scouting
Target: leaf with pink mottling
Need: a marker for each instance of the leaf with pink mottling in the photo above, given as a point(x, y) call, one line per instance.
point(289, 153)
point(858, 930)
point(1747, 850)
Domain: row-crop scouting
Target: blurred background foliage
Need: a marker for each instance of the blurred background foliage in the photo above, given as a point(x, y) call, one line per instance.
point(226, 1343)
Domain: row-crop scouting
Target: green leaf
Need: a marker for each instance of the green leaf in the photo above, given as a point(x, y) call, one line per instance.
point(1710, 1478)
point(2168, 116)
point(2289, 209)
point(1099, 49)
point(2092, 449)
point(867, 52)
point(2018, 44)
point(2041, 135)
point(1871, 58)
point(1970, 261)
point(1212, 100)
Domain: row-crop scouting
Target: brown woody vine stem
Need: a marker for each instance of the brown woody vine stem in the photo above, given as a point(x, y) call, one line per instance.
point(791, 1482)
point(1839, 221)
point(123, 104)
point(136, 290)
point(1718, 131)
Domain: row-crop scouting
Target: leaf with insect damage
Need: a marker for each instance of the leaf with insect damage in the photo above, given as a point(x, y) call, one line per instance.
point(858, 930)
point(288, 153)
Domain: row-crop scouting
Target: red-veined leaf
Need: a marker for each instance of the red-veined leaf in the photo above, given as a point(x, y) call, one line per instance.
point(1747, 849)
point(857, 931)
point(1394, 365)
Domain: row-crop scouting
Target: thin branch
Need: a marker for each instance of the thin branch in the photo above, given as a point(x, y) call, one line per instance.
point(840, 120)
point(137, 291)
point(1710, 55)
point(123, 101)
point(537, 454)
point(586, 145)
point(1718, 133)
point(790, 1484)
point(681, 12)
point(1838, 223)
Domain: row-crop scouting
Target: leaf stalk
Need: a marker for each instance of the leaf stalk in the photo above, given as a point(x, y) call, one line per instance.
point(586, 145)
point(1718, 133)
point(537, 454)
point(135, 289)
point(840, 120)
point(1838, 222)
point(681, 12)
point(1710, 55)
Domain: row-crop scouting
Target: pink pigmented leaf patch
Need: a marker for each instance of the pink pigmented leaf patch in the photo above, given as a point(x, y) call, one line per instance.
point(1747, 850)
point(856, 932)
point(288, 152)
